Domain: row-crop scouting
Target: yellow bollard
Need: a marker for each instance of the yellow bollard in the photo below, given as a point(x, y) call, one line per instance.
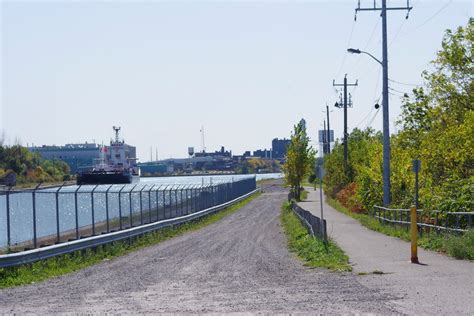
point(414, 235)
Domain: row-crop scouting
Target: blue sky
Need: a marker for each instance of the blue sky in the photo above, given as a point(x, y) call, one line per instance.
point(245, 70)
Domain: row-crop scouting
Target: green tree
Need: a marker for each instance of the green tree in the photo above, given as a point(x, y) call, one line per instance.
point(437, 127)
point(30, 167)
point(300, 158)
point(438, 124)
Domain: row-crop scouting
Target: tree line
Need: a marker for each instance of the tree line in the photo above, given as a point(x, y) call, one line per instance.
point(436, 127)
point(30, 167)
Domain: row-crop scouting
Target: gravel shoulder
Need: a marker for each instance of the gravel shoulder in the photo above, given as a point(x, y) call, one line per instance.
point(440, 285)
point(239, 264)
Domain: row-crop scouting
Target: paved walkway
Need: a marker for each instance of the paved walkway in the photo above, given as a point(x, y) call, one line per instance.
point(440, 285)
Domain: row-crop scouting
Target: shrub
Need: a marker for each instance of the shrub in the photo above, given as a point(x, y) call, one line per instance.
point(348, 198)
point(461, 247)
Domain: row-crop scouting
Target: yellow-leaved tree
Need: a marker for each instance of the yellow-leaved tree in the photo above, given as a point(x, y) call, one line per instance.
point(300, 158)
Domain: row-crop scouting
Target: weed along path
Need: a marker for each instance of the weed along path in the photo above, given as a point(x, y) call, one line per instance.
point(238, 264)
point(440, 285)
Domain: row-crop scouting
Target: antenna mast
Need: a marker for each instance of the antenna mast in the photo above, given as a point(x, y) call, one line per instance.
point(203, 143)
point(117, 130)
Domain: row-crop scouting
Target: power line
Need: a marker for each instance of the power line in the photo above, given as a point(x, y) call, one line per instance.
point(376, 101)
point(397, 33)
point(356, 65)
point(397, 90)
point(377, 83)
point(371, 35)
point(405, 84)
point(345, 54)
point(395, 95)
point(434, 15)
point(373, 118)
point(365, 117)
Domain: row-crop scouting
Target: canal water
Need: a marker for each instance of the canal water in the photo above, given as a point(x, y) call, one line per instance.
point(148, 194)
point(208, 179)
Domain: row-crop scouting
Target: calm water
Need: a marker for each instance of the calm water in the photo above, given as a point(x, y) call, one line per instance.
point(21, 210)
point(206, 179)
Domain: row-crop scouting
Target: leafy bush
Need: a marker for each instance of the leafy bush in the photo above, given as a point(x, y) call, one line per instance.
point(348, 198)
point(461, 247)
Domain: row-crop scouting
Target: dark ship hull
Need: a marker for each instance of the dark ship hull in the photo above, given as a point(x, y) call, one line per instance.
point(106, 178)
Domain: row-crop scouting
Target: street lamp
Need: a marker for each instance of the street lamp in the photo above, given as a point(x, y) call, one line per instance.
point(386, 130)
point(358, 51)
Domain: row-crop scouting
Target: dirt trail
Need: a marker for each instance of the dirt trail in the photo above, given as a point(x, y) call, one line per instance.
point(239, 264)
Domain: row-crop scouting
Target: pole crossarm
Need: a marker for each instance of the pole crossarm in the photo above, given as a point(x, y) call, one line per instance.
point(407, 8)
point(380, 9)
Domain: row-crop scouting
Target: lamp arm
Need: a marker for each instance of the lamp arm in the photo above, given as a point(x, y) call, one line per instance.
point(373, 57)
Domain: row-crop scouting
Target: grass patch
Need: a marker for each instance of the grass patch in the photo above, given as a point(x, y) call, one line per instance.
point(306, 183)
point(303, 195)
point(460, 247)
point(45, 269)
point(311, 250)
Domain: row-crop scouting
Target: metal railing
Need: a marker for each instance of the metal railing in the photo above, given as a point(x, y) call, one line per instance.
point(454, 222)
point(311, 222)
point(37, 218)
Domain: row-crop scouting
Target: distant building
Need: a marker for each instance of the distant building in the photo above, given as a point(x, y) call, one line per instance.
point(78, 156)
point(265, 153)
point(204, 163)
point(323, 140)
point(279, 148)
point(220, 153)
point(303, 122)
point(155, 168)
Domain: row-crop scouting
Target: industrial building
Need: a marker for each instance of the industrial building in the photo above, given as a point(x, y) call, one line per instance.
point(279, 148)
point(265, 153)
point(155, 168)
point(278, 151)
point(78, 156)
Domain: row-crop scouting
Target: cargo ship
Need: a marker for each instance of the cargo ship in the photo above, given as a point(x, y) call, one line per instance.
point(115, 166)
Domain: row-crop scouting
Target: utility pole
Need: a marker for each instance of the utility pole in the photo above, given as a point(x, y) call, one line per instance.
point(385, 108)
point(345, 85)
point(329, 130)
point(325, 148)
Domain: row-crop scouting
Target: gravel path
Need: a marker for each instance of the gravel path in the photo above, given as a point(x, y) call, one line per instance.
point(440, 285)
point(239, 264)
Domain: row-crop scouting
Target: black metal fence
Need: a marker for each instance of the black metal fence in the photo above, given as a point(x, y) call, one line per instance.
point(311, 222)
point(40, 217)
point(437, 221)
